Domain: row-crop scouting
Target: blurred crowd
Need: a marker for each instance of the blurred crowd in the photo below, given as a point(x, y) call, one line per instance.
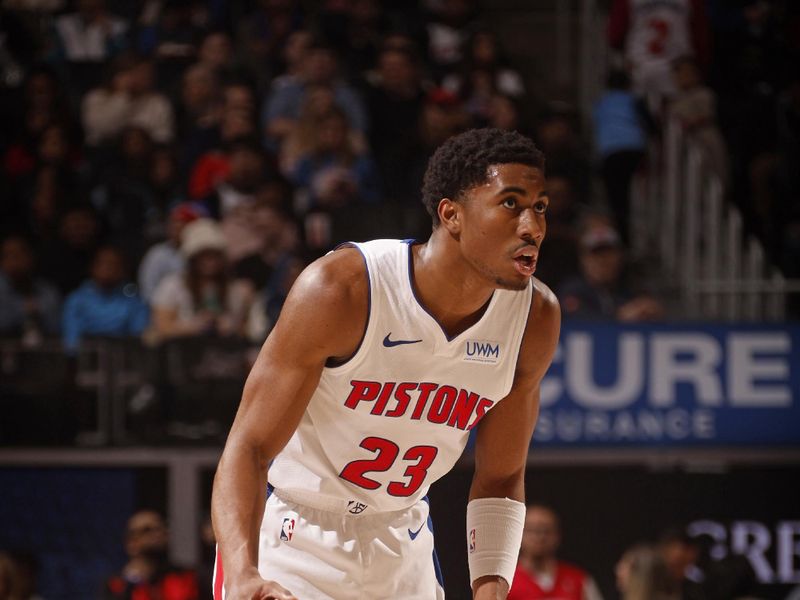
point(169, 167)
point(676, 566)
point(727, 72)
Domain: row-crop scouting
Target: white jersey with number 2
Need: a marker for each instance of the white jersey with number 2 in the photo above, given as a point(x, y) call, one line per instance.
point(395, 417)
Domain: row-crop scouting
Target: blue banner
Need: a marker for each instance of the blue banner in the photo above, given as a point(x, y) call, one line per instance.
point(672, 384)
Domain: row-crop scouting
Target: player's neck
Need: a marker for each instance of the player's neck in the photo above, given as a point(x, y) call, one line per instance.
point(455, 297)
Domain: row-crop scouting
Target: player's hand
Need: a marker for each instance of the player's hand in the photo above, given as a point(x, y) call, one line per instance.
point(490, 588)
point(256, 588)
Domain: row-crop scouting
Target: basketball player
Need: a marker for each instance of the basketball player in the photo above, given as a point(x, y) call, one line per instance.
point(385, 356)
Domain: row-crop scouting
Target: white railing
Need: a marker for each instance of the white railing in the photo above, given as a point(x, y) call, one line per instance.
point(682, 219)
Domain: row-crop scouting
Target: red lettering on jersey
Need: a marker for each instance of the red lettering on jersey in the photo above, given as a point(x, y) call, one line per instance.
point(465, 404)
point(363, 391)
point(442, 404)
point(386, 393)
point(403, 398)
point(483, 405)
point(449, 405)
point(425, 390)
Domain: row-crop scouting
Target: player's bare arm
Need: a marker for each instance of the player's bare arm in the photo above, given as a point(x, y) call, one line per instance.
point(323, 318)
point(504, 435)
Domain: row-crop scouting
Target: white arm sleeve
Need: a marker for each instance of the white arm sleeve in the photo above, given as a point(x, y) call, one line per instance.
point(494, 534)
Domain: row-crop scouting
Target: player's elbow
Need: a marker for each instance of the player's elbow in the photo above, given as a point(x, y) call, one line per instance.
point(499, 484)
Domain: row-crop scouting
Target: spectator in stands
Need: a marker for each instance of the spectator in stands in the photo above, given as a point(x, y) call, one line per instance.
point(356, 30)
point(287, 270)
point(48, 199)
point(559, 262)
point(302, 134)
point(91, 34)
point(483, 74)
point(642, 574)
point(244, 169)
point(334, 174)
point(266, 35)
point(557, 135)
point(123, 194)
point(681, 554)
point(620, 140)
point(216, 51)
point(53, 152)
point(104, 305)
point(148, 574)
point(602, 291)
point(238, 95)
point(165, 191)
point(128, 99)
point(320, 67)
point(503, 112)
point(540, 575)
point(65, 260)
point(269, 230)
point(395, 101)
point(204, 299)
point(443, 116)
point(731, 578)
point(42, 103)
point(165, 258)
point(694, 106)
point(30, 307)
point(651, 34)
point(259, 231)
point(292, 60)
point(211, 170)
point(200, 100)
point(448, 29)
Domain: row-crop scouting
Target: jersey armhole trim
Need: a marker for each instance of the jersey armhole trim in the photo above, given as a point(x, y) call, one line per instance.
point(524, 332)
point(330, 363)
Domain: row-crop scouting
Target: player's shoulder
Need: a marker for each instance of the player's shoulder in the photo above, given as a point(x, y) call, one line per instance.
point(544, 305)
point(541, 331)
point(336, 279)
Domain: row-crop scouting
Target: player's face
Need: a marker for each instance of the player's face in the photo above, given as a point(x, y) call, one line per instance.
point(540, 537)
point(503, 224)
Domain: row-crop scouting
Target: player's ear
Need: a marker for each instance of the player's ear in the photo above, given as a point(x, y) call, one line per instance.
point(450, 215)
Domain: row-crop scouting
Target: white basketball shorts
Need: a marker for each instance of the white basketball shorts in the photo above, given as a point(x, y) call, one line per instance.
point(325, 555)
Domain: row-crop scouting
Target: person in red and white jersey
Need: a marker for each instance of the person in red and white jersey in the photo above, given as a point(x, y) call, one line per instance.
point(653, 33)
point(540, 575)
point(385, 356)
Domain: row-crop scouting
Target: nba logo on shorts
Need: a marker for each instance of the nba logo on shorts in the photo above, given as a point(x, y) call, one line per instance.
point(287, 529)
point(472, 540)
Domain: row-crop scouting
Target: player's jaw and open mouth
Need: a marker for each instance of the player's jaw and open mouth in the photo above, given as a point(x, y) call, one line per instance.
point(525, 260)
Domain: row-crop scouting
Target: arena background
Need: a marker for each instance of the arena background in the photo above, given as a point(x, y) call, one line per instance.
point(691, 420)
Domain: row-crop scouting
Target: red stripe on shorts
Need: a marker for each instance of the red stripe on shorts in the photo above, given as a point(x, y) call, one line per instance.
point(218, 577)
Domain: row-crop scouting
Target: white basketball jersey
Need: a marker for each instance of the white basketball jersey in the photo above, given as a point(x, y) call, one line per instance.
point(659, 31)
point(394, 418)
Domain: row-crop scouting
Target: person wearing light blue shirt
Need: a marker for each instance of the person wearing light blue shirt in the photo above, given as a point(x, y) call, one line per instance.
point(620, 140)
point(104, 304)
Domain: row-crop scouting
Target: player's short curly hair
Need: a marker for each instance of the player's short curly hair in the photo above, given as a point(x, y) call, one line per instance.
point(463, 161)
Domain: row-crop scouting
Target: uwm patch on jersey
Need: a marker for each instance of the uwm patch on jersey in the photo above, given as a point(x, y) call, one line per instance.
point(395, 417)
point(482, 351)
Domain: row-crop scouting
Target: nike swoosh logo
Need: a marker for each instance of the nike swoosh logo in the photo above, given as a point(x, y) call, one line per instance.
point(413, 534)
point(391, 343)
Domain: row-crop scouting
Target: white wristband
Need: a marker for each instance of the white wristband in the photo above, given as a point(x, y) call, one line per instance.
point(494, 535)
